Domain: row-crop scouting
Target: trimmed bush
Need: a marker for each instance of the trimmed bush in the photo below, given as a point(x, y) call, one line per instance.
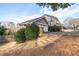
point(31, 31)
point(2, 30)
point(54, 28)
point(20, 36)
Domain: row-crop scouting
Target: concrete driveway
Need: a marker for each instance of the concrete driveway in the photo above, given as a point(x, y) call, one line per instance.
point(63, 33)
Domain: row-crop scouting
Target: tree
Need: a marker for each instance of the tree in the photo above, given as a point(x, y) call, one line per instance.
point(55, 6)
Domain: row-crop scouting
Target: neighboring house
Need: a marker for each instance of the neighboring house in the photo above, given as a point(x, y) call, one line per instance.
point(7, 24)
point(72, 23)
point(43, 22)
point(10, 26)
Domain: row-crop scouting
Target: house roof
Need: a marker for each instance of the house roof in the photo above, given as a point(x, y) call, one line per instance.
point(36, 19)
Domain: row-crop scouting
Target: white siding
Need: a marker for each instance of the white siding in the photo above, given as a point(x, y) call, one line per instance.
point(45, 28)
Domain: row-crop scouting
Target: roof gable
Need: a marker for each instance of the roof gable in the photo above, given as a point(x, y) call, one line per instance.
point(39, 19)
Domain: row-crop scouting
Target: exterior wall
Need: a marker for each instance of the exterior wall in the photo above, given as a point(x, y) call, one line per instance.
point(52, 20)
point(42, 25)
point(40, 22)
point(43, 28)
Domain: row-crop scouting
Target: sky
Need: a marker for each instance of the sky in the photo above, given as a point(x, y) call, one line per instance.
point(17, 13)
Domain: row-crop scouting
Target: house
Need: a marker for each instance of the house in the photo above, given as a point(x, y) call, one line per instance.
point(10, 26)
point(43, 22)
point(72, 24)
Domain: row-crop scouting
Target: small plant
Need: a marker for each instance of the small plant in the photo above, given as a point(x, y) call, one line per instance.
point(20, 36)
point(40, 34)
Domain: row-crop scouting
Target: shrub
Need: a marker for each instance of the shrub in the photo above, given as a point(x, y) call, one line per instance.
point(20, 36)
point(31, 31)
point(2, 30)
point(54, 28)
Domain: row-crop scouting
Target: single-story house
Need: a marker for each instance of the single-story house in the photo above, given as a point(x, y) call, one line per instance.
point(43, 22)
point(72, 24)
point(10, 26)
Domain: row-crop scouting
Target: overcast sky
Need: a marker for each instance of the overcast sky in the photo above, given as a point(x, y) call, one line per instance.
point(23, 12)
